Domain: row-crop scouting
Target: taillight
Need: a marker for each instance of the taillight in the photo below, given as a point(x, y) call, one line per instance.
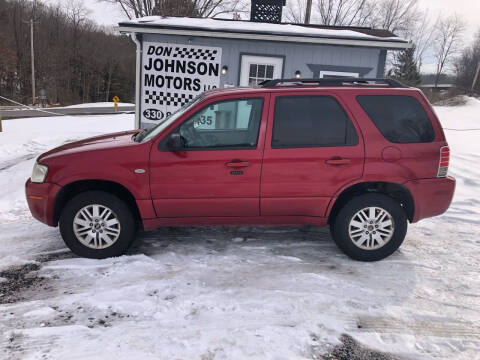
point(444, 161)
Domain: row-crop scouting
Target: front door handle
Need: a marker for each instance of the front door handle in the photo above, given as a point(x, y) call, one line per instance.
point(338, 161)
point(237, 164)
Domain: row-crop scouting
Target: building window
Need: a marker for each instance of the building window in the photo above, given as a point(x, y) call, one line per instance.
point(259, 73)
point(337, 74)
point(255, 69)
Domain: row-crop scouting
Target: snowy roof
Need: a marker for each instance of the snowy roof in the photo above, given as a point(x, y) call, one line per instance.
point(209, 27)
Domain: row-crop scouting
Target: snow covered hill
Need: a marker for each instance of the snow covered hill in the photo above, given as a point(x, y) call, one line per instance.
point(241, 292)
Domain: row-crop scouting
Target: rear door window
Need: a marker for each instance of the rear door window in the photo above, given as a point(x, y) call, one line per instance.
point(311, 121)
point(400, 118)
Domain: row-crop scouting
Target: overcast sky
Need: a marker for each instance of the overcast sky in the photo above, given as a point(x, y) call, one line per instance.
point(107, 14)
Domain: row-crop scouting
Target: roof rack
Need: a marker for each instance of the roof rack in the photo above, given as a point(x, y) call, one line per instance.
point(335, 82)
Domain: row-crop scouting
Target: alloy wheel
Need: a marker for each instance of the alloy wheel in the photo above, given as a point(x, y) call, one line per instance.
point(96, 226)
point(371, 228)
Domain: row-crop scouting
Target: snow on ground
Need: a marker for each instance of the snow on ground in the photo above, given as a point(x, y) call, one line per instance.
point(238, 292)
point(22, 140)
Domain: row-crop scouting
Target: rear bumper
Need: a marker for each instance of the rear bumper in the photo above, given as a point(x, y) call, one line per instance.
point(432, 197)
point(41, 200)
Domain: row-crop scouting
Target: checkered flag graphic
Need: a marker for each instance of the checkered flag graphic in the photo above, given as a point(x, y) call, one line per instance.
point(197, 54)
point(167, 98)
point(151, 97)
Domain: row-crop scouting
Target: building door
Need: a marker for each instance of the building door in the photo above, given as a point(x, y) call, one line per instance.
point(255, 69)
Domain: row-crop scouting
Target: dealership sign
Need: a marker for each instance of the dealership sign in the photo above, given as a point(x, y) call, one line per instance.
point(174, 74)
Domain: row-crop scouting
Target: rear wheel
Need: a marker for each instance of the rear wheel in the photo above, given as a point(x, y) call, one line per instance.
point(98, 225)
point(370, 227)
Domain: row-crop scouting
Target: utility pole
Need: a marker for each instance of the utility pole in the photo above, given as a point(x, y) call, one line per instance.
point(33, 62)
point(308, 11)
point(475, 78)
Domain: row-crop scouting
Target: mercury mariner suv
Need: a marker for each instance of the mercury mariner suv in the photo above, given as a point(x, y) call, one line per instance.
point(364, 156)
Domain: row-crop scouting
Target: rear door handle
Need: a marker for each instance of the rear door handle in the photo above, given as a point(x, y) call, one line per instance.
point(237, 164)
point(338, 161)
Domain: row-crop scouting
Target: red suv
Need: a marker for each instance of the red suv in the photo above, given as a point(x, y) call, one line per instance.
point(363, 156)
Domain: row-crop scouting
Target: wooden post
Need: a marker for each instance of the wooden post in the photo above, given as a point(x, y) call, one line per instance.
point(1, 123)
point(475, 78)
point(308, 11)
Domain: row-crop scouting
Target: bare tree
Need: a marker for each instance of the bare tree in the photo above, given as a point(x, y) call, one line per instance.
point(397, 16)
point(197, 8)
point(76, 12)
point(134, 8)
point(467, 65)
point(295, 11)
point(333, 12)
point(75, 60)
point(212, 8)
point(421, 34)
point(345, 12)
point(175, 8)
point(393, 15)
point(448, 42)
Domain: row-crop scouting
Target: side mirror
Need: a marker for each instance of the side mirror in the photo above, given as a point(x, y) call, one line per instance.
point(175, 142)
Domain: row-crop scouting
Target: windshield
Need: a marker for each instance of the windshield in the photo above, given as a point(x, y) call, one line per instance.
point(149, 134)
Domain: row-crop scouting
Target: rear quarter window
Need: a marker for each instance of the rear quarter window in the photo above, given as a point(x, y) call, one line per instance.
point(400, 118)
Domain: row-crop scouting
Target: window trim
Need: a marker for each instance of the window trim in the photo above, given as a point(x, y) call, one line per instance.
point(279, 147)
point(398, 95)
point(162, 145)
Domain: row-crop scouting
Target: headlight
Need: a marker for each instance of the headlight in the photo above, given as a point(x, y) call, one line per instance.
point(39, 173)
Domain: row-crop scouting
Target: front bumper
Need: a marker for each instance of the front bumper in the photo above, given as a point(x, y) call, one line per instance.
point(41, 200)
point(431, 197)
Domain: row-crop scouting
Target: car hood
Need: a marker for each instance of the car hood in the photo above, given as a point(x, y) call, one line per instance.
point(106, 141)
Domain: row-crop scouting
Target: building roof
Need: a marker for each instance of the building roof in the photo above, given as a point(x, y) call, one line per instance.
point(238, 29)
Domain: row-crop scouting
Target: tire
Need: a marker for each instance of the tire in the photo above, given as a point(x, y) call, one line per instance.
point(378, 240)
point(331, 229)
point(110, 236)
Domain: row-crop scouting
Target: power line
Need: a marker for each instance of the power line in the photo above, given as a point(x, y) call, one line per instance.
point(461, 129)
point(31, 108)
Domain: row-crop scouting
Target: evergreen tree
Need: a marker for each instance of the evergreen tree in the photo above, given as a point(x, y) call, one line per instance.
point(405, 68)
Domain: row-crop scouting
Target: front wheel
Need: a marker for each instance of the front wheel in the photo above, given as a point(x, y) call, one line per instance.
point(97, 225)
point(370, 227)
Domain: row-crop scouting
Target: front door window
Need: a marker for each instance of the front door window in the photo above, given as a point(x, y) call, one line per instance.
point(223, 125)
